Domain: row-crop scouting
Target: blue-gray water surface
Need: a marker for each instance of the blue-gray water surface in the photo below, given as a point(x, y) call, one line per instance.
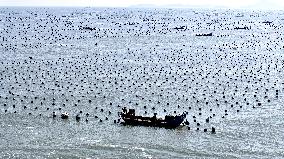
point(92, 62)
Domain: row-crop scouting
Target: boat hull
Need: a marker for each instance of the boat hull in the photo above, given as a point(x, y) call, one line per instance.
point(170, 122)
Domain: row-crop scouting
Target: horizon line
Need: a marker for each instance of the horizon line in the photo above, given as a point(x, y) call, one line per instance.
point(147, 6)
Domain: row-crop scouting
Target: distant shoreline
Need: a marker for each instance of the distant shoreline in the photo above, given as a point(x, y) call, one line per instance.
point(149, 6)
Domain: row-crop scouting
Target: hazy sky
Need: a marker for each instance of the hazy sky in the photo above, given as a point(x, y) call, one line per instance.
point(263, 4)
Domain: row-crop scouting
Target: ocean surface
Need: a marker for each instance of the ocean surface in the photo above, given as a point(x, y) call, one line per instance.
point(92, 62)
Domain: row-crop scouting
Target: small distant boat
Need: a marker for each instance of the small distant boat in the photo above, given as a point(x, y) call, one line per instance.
point(240, 15)
point(180, 28)
point(210, 34)
point(240, 28)
point(64, 115)
point(267, 22)
point(169, 121)
point(88, 28)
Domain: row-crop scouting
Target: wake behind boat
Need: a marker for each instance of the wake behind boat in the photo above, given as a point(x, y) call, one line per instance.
point(171, 122)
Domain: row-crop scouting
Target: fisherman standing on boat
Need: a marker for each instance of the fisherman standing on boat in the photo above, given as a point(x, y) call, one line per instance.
point(154, 118)
point(124, 110)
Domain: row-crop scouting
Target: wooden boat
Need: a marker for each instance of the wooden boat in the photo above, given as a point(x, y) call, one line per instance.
point(210, 34)
point(169, 121)
point(267, 22)
point(244, 28)
point(64, 115)
point(180, 28)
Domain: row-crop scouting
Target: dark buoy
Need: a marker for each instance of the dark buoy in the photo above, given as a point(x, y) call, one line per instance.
point(213, 130)
point(207, 120)
point(78, 117)
point(186, 122)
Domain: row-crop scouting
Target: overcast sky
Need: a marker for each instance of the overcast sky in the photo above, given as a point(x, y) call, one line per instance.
point(255, 4)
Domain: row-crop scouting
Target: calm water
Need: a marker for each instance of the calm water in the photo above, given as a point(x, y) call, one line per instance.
point(98, 60)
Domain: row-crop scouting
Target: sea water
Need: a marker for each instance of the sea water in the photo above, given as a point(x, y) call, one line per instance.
point(92, 62)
